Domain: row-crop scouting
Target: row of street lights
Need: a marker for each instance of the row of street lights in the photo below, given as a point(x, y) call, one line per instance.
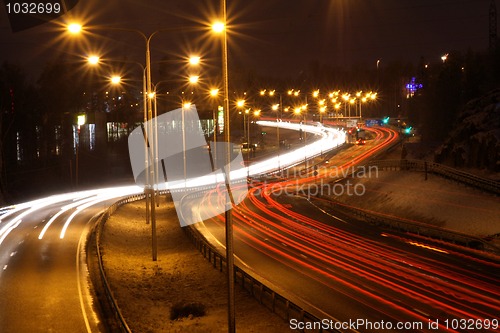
point(149, 97)
point(148, 94)
point(336, 98)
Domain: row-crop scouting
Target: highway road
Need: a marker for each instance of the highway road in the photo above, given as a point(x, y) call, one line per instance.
point(44, 282)
point(345, 268)
point(353, 271)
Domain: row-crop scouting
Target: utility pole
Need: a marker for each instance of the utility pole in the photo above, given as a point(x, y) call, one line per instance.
point(231, 312)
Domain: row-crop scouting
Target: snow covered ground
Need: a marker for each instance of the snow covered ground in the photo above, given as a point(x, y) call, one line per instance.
point(436, 201)
point(146, 290)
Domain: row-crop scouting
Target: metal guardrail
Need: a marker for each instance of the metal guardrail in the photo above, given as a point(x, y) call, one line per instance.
point(288, 307)
point(271, 296)
point(423, 229)
point(484, 184)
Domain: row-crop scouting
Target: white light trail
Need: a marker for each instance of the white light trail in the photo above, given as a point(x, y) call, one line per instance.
point(63, 210)
point(84, 204)
point(36, 205)
point(330, 138)
point(30, 207)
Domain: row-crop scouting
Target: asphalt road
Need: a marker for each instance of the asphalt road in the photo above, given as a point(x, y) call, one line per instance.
point(44, 285)
point(350, 270)
point(346, 269)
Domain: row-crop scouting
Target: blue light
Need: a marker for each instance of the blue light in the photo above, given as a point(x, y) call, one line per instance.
point(413, 86)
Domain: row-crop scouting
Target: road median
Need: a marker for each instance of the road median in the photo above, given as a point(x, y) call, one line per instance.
point(148, 292)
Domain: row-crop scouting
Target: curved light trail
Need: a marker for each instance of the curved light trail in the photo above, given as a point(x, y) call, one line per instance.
point(39, 239)
point(344, 267)
point(393, 276)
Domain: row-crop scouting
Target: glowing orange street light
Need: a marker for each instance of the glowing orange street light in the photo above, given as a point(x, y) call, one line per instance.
point(214, 92)
point(194, 60)
point(218, 27)
point(93, 60)
point(115, 79)
point(194, 79)
point(74, 28)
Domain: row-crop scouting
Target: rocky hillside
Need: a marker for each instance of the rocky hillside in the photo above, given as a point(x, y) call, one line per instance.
point(475, 140)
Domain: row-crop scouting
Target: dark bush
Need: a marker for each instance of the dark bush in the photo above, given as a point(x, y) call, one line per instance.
point(182, 310)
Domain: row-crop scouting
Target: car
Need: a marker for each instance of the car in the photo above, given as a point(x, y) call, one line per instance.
point(360, 141)
point(246, 145)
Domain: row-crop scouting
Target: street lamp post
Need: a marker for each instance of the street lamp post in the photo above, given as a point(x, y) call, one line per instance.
point(361, 101)
point(246, 115)
point(279, 112)
point(80, 122)
point(149, 130)
point(214, 93)
point(183, 121)
point(222, 28)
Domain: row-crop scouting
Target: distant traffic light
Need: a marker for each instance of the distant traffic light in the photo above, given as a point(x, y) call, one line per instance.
point(385, 120)
point(408, 130)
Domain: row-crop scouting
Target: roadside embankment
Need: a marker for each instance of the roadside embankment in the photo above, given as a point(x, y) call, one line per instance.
point(436, 201)
point(146, 291)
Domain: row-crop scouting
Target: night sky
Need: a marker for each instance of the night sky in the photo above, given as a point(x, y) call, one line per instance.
point(276, 38)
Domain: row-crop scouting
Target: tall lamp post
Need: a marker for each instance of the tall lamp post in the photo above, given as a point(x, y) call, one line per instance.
point(221, 27)
point(149, 129)
point(214, 93)
point(279, 111)
point(80, 122)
